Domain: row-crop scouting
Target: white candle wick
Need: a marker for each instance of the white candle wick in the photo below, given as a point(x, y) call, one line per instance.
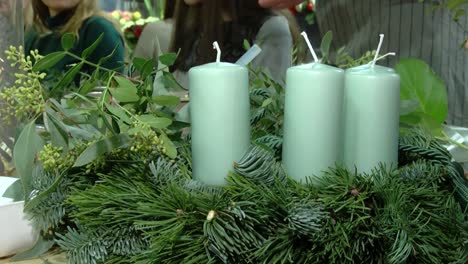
point(218, 50)
point(304, 34)
point(378, 50)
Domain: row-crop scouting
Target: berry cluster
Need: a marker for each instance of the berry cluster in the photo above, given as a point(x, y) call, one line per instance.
point(24, 99)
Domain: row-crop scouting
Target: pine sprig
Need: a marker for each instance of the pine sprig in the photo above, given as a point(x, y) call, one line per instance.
point(82, 248)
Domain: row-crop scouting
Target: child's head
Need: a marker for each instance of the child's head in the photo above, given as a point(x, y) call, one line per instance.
point(79, 10)
point(198, 23)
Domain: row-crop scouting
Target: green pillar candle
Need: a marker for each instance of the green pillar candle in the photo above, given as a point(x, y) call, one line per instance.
point(312, 119)
point(371, 107)
point(220, 117)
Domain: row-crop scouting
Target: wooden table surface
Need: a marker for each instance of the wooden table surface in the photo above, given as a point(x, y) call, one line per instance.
point(54, 258)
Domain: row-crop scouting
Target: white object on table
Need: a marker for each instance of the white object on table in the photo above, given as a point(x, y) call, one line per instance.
point(16, 232)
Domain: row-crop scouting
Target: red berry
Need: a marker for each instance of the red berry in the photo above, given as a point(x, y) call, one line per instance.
point(293, 10)
point(310, 6)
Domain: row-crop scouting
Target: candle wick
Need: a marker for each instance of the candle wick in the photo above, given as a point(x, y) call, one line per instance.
point(378, 50)
point(218, 50)
point(304, 34)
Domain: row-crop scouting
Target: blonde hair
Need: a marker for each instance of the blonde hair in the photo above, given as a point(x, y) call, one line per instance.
point(82, 11)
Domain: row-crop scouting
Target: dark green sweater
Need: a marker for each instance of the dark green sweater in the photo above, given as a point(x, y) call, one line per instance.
point(91, 29)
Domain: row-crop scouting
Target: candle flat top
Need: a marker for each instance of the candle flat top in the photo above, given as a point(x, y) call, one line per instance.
point(218, 66)
point(317, 67)
point(367, 69)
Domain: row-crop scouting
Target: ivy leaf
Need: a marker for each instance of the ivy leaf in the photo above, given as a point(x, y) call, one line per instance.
point(24, 153)
point(166, 100)
point(68, 41)
point(100, 148)
point(91, 48)
point(421, 85)
point(168, 59)
point(126, 90)
point(155, 122)
point(171, 150)
point(48, 61)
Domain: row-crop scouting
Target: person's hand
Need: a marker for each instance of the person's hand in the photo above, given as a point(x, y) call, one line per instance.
point(278, 4)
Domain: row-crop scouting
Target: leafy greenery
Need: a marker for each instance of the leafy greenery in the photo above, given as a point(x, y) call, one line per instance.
point(109, 181)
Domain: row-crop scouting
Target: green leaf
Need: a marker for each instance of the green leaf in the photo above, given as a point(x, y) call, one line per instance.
point(101, 147)
point(126, 91)
point(420, 84)
point(459, 13)
point(88, 86)
point(455, 4)
point(326, 44)
point(267, 102)
point(169, 81)
point(168, 59)
point(246, 44)
point(24, 153)
point(155, 122)
point(166, 100)
point(171, 150)
point(15, 191)
point(48, 61)
point(91, 48)
point(68, 77)
point(41, 247)
point(145, 67)
point(58, 134)
point(68, 41)
point(408, 106)
point(107, 57)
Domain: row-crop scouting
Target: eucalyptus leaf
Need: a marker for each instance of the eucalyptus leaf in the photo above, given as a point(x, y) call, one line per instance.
point(68, 41)
point(100, 148)
point(48, 61)
point(155, 122)
point(26, 147)
point(171, 150)
point(420, 84)
point(125, 92)
point(41, 247)
point(166, 100)
point(15, 191)
point(119, 113)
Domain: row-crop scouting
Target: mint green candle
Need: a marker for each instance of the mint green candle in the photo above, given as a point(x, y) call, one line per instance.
point(220, 117)
point(372, 102)
point(371, 105)
point(312, 119)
